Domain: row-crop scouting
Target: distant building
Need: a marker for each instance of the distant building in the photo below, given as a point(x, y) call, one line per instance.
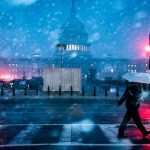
point(4, 69)
point(72, 51)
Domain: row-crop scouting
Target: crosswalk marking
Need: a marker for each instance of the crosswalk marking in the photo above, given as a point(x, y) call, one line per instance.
point(111, 131)
point(25, 136)
point(111, 136)
point(65, 136)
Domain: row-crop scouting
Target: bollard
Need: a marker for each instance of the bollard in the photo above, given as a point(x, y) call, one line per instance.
point(106, 91)
point(13, 91)
point(83, 91)
point(2, 91)
point(48, 91)
point(71, 92)
point(25, 90)
point(36, 90)
point(60, 90)
point(94, 92)
point(117, 91)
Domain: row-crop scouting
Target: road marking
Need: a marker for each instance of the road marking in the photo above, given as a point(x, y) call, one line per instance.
point(25, 136)
point(65, 136)
point(117, 124)
point(111, 131)
point(74, 144)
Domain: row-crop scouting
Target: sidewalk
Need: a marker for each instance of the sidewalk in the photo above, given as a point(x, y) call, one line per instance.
point(110, 97)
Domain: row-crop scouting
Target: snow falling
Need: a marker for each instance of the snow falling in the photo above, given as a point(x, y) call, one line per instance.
point(117, 27)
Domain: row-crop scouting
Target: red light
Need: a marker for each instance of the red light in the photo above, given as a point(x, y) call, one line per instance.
point(147, 48)
point(5, 77)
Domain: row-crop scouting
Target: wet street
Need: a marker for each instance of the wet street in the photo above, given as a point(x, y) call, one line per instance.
point(70, 123)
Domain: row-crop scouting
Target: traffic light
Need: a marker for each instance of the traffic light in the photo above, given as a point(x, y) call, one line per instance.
point(147, 49)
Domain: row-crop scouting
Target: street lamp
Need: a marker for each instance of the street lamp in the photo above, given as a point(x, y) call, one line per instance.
point(147, 49)
point(61, 47)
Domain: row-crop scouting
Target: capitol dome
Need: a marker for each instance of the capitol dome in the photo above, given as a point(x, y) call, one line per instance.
point(73, 32)
point(73, 36)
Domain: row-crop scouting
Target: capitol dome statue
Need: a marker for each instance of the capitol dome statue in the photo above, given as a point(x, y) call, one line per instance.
point(73, 38)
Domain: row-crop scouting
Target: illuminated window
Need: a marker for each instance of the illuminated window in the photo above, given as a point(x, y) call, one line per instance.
point(134, 70)
point(128, 70)
point(131, 70)
point(134, 65)
point(75, 47)
point(69, 47)
point(131, 65)
point(146, 64)
point(128, 65)
point(72, 47)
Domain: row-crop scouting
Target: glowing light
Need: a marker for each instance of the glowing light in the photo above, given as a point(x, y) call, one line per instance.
point(5, 77)
point(111, 70)
point(73, 55)
point(147, 48)
point(112, 90)
point(85, 125)
point(144, 113)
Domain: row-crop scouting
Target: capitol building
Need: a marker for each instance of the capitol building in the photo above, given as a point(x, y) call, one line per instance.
point(73, 50)
point(74, 37)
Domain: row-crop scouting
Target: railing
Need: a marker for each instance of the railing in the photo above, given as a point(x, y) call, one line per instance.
point(85, 91)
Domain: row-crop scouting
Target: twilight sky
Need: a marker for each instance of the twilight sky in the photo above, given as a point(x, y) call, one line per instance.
point(116, 27)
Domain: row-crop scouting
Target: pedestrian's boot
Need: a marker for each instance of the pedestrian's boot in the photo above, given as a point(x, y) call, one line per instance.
point(121, 136)
point(146, 133)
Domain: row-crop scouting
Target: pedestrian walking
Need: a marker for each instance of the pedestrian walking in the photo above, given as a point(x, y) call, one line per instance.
point(132, 96)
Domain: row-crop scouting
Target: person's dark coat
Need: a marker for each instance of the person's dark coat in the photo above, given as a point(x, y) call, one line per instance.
point(132, 95)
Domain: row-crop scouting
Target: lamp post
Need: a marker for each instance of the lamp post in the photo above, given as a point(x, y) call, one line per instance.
point(61, 47)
